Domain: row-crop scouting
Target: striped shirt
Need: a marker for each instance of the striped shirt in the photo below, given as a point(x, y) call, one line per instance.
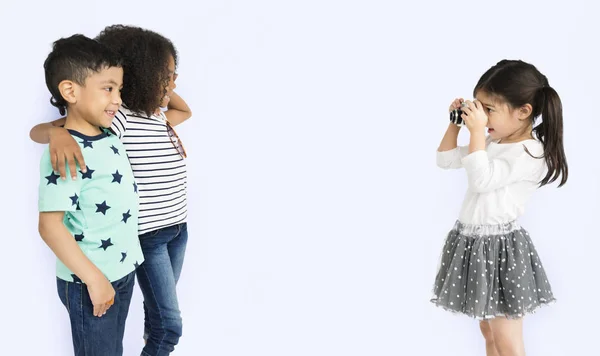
point(158, 168)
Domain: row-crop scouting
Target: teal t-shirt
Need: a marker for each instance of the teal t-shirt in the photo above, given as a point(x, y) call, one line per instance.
point(101, 206)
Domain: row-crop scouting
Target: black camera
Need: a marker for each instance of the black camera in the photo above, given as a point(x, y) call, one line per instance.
point(455, 116)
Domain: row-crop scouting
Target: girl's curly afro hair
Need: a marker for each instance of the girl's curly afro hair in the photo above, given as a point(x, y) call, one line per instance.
point(145, 57)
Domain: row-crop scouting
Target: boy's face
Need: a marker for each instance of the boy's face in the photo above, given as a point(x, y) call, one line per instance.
point(100, 98)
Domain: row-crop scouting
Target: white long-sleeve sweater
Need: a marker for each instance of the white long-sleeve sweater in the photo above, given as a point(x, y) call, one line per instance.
point(501, 179)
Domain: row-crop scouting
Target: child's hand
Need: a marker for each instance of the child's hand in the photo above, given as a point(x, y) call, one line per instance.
point(64, 147)
point(455, 104)
point(102, 294)
point(474, 116)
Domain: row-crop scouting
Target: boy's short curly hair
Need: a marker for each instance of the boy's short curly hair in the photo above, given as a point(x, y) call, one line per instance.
point(75, 58)
point(145, 64)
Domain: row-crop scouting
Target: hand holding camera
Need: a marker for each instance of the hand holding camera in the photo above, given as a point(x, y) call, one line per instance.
point(456, 112)
point(468, 113)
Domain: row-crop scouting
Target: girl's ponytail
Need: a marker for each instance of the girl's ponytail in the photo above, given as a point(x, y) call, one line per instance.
point(550, 134)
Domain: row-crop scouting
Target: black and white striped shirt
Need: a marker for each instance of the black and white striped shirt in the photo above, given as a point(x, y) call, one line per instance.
point(158, 168)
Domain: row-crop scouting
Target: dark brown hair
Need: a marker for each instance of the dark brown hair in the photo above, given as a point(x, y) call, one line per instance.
point(75, 58)
point(145, 56)
point(518, 83)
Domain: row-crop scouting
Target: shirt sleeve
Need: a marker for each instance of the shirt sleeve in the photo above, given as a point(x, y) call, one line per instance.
point(485, 174)
point(56, 194)
point(119, 123)
point(451, 159)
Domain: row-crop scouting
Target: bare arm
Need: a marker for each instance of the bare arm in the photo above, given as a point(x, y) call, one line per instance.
point(57, 237)
point(63, 148)
point(476, 120)
point(448, 156)
point(41, 133)
point(178, 111)
point(450, 139)
point(477, 142)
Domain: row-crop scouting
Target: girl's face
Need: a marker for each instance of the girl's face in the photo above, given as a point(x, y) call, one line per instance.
point(171, 85)
point(505, 123)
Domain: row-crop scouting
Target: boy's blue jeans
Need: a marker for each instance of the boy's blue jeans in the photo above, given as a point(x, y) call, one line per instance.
point(94, 336)
point(164, 251)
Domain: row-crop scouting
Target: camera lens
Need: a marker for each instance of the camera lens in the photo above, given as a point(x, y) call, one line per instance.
point(455, 117)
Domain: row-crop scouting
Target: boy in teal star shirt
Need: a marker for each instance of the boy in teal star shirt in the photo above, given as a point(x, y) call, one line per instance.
point(90, 223)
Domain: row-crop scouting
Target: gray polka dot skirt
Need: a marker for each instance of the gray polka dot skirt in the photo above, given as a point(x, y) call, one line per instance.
point(488, 271)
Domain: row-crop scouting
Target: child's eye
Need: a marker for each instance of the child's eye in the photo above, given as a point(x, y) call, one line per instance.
point(108, 89)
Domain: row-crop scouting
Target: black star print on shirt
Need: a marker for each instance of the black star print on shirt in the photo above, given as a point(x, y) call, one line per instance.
point(123, 256)
point(134, 187)
point(126, 216)
point(115, 150)
point(136, 265)
point(117, 177)
point(79, 237)
point(52, 178)
point(86, 143)
point(106, 244)
point(102, 208)
point(87, 174)
point(75, 200)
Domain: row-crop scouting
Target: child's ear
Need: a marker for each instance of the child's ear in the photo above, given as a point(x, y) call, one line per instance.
point(525, 111)
point(68, 90)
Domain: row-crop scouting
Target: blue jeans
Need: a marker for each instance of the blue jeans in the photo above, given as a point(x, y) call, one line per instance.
point(164, 251)
point(93, 336)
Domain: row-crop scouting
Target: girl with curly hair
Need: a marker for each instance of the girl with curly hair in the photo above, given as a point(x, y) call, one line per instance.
point(157, 158)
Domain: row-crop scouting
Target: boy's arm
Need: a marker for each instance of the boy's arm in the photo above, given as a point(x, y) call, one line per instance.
point(178, 111)
point(63, 148)
point(61, 242)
